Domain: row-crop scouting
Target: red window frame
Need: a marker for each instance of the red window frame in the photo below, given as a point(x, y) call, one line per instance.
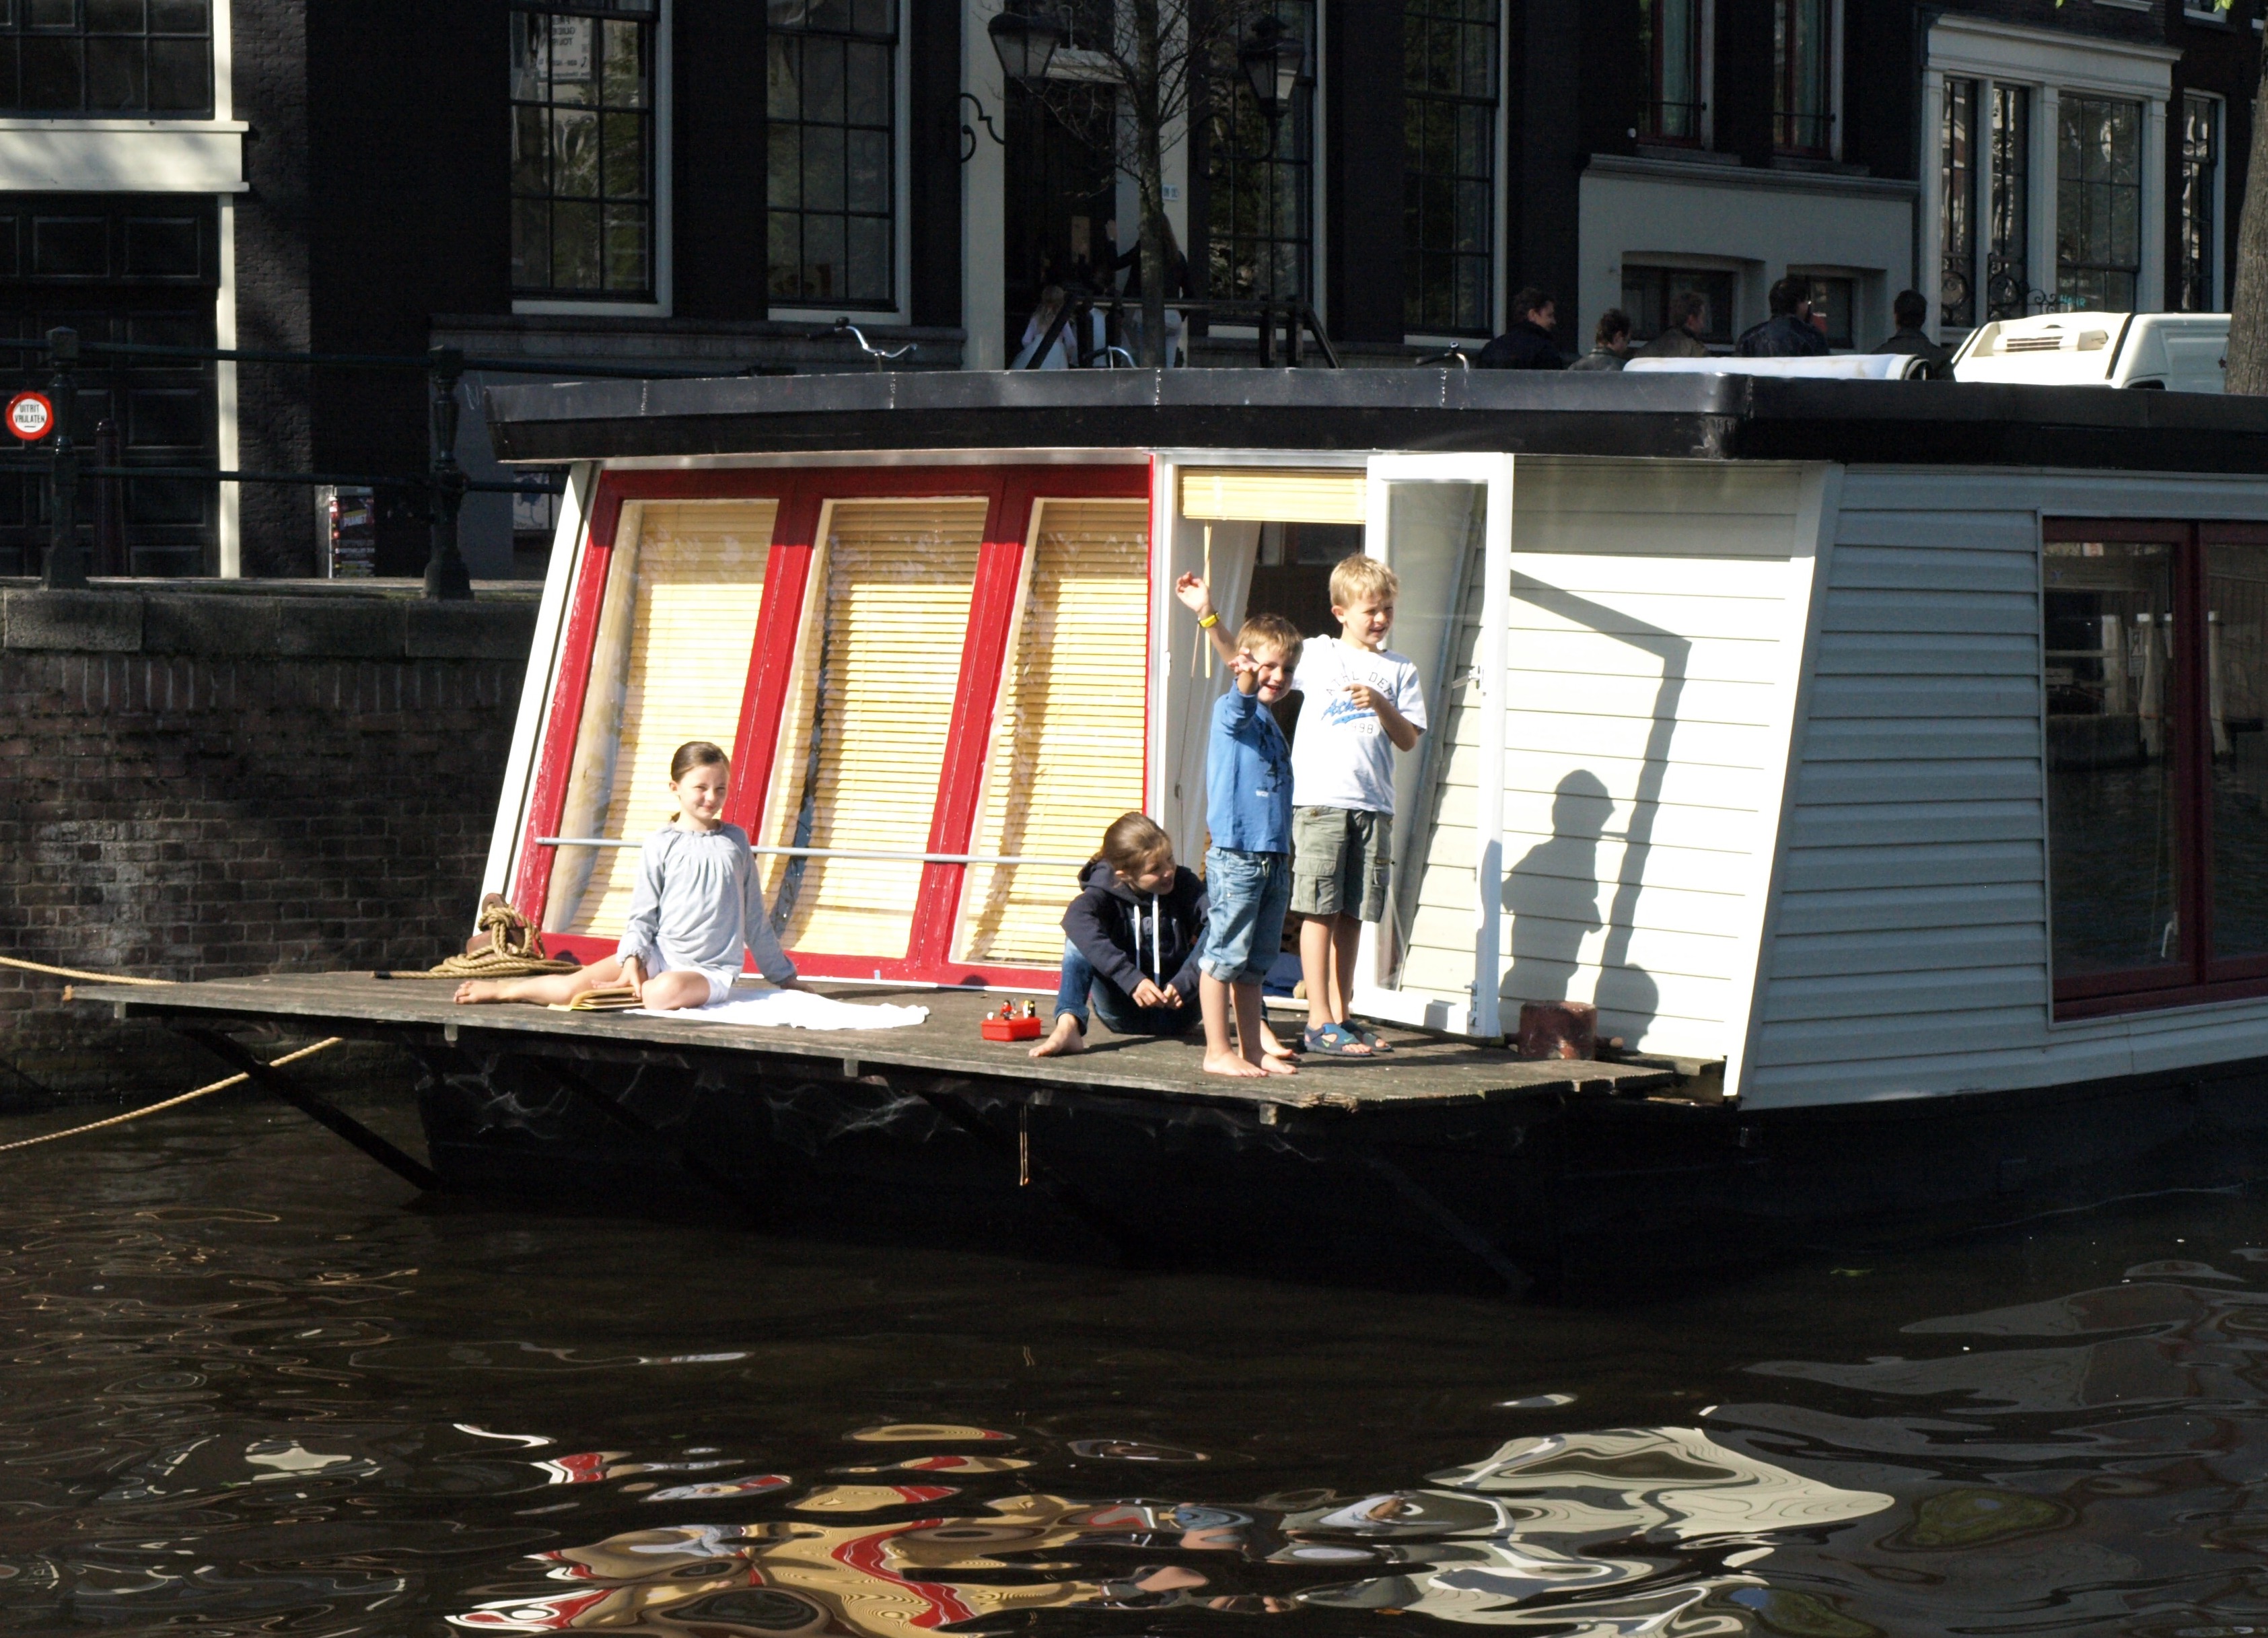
point(1010, 492)
point(2199, 976)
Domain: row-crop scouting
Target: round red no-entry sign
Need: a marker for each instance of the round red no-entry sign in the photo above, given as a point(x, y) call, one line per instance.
point(30, 416)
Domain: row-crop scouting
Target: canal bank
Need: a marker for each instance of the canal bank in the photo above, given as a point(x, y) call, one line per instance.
point(211, 779)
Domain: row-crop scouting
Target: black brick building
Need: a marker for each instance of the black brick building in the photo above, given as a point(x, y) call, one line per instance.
point(687, 183)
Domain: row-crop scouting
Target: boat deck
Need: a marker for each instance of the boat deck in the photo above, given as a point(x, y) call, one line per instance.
point(1423, 1070)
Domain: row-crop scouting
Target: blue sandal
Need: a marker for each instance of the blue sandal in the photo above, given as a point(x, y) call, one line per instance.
point(1378, 1044)
point(1334, 1041)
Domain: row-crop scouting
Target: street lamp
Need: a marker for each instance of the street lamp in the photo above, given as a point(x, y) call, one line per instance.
point(1272, 62)
point(1025, 45)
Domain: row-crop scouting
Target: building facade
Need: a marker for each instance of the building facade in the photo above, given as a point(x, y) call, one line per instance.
point(691, 185)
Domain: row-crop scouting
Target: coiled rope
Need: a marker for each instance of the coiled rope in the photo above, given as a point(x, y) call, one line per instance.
point(514, 950)
point(171, 1103)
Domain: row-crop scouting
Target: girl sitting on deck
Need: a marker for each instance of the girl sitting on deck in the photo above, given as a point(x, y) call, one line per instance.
point(1133, 935)
point(697, 910)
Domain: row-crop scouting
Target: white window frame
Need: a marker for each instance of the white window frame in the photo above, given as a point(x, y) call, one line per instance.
point(1482, 1013)
point(664, 271)
point(1500, 294)
point(2049, 63)
point(901, 258)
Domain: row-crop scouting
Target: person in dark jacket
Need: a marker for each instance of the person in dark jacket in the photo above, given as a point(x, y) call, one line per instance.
point(1528, 345)
point(1611, 347)
point(1689, 319)
point(1134, 932)
point(1789, 333)
point(1912, 311)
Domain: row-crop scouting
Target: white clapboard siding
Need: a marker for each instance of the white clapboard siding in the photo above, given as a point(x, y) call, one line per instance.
point(696, 585)
point(1065, 758)
point(1655, 616)
point(878, 671)
point(1909, 947)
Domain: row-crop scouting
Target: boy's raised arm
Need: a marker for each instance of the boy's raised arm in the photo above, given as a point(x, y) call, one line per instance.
point(1197, 597)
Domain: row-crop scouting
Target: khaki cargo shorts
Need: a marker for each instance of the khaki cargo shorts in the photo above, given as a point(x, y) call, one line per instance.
point(1340, 857)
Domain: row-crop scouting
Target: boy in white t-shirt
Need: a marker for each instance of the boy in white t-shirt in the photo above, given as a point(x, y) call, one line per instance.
point(1363, 704)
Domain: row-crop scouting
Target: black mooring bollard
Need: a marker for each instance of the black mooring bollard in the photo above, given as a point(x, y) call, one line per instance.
point(446, 573)
point(65, 568)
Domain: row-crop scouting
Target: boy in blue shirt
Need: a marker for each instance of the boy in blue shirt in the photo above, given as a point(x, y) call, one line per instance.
point(1249, 866)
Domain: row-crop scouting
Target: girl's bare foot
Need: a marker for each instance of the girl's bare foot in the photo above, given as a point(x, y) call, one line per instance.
point(1285, 1065)
point(474, 990)
point(1272, 1047)
point(1234, 1065)
point(1066, 1037)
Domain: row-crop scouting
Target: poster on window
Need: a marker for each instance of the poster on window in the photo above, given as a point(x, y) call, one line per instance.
point(571, 41)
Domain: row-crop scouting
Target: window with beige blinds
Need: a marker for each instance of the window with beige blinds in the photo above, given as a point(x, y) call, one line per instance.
point(1272, 494)
point(862, 739)
point(1066, 753)
point(689, 575)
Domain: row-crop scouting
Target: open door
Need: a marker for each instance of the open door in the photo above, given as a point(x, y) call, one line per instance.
point(1443, 522)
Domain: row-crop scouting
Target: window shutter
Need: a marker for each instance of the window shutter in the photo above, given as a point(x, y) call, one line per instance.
point(1067, 743)
point(863, 740)
point(1258, 494)
point(695, 593)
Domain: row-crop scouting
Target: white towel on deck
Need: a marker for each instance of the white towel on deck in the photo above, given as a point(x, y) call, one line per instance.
point(794, 1009)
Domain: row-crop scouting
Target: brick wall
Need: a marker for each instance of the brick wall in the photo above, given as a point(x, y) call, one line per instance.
point(212, 782)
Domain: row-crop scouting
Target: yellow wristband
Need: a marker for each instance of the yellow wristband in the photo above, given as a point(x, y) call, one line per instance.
point(1209, 622)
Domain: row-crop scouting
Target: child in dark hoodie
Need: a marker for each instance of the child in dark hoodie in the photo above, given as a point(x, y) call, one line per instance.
point(1134, 932)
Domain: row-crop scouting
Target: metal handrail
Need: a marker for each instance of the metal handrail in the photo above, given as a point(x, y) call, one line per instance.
point(895, 855)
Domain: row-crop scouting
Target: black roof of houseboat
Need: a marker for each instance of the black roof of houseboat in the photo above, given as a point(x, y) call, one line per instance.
point(1658, 414)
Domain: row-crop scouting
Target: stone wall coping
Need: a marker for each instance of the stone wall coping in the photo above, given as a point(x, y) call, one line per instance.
point(271, 618)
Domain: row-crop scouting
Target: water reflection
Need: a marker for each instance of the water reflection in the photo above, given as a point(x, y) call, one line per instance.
point(1625, 1531)
point(339, 1417)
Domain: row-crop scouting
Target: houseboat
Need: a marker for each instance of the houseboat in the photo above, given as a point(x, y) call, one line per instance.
point(1884, 759)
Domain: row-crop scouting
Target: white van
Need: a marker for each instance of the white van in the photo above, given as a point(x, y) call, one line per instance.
point(2179, 352)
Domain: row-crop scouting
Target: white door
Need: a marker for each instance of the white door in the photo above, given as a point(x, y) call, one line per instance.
point(1443, 524)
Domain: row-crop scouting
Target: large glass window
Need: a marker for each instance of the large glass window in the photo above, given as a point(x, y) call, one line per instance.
point(1259, 181)
point(2008, 261)
point(2197, 289)
point(581, 148)
point(106, 57)
point(2157, 760)
point(1985, 175)
point(1957, 287)
point(832, 89)
point(1669, 41)
point(1803, 77)
point(1449, 111)
point(2098, 203)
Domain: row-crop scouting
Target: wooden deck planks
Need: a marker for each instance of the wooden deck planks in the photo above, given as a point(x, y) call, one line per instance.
point(1424, 1070)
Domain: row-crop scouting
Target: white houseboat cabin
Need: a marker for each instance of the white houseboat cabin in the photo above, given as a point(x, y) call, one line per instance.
point(1870, 740)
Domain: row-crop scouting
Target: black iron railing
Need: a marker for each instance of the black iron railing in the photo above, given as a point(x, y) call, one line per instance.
point(1290, 320)
point(444, 483)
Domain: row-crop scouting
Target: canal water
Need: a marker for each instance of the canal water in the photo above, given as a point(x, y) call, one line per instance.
point(251, 1386)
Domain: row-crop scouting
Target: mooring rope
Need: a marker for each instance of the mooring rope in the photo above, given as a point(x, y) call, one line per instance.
point(92, 978)
point(170, 1103)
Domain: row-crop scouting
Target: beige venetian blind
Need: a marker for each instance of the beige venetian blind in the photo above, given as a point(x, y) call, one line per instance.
point(1270, 495)
point(695, 591)
point(1066, 753)
point(863, 742)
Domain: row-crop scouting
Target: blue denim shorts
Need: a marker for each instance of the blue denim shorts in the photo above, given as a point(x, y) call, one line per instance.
point(1247, 894)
